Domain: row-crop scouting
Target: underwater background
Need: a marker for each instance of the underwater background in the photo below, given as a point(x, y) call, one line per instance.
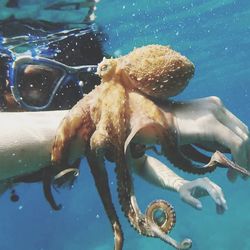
point(215, 35)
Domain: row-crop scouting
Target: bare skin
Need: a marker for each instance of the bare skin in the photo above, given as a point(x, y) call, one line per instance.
point(105, 117)
point(207, 122)
point(121, 112)
point(118, 113)
point(147, 125)
point(40, 127)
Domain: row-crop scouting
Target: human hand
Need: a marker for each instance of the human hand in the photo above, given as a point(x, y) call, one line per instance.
point(208, 124)
point(191, 191)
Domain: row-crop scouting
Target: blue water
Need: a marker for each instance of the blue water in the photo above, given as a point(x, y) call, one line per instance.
point(215, 35)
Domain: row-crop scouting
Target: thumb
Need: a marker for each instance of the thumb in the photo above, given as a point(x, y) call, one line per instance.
point(188, 198)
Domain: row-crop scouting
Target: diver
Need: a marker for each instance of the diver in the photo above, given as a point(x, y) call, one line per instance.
point(47, 61)
point(48, 65)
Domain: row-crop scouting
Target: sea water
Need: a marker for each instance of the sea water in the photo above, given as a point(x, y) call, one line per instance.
point(215, 36)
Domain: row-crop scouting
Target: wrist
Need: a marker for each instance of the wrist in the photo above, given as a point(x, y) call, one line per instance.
point(179, 183)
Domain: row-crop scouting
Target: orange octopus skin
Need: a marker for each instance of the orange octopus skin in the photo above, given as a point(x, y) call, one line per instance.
point(107, 125)
point(107, 119)
point(155, 70)
point(119, 111)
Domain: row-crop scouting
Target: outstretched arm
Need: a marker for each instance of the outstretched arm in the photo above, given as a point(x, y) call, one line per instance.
point(155, 172)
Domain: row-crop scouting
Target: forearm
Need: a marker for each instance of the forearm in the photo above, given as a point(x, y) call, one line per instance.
point(25, 141)
point(155, 172)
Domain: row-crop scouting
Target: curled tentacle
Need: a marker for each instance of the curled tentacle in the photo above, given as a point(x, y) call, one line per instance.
point(143, 224)
point(64, 178)
point(109, 139)
point(45, 176)
point(47, 180)
point(166, 219)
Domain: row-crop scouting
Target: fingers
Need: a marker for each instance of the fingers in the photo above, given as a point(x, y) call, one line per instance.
point(226, 137)
point(237, 127)
point(188, 198)
point(231, 175)
point(232, 122)
point(187, 193)
point(214, 126)
point(219, 209)
point(216, 194)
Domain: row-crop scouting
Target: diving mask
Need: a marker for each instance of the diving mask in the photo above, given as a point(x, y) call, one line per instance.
point(36, 81)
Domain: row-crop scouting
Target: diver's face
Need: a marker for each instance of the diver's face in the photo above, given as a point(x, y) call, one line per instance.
point(37, 84)
point(35, 87)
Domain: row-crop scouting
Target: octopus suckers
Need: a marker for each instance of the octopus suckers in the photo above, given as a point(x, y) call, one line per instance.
point(162, 214)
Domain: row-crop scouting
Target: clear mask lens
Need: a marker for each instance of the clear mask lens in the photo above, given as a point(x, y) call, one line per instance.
point(36, 83)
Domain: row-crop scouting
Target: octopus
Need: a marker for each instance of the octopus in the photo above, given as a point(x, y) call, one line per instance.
point(126, 115)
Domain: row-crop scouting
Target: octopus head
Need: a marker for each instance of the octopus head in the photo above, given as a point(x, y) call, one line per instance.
point(107, 69)
point(156, 70)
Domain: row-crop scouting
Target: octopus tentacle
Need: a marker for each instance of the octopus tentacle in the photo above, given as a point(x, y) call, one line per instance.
point(45, 176)
point(110, 122)
point(157, 127)
point(127, 199)
point(99, 173)
point(161, 129)
point(117, 131)
point(67, 176)
point(138, 150)
point(171, 149)
point(168, 221)
point(193, 154)
point(143, 224)
point(210, 148)
point(177, 158)
point(47, 180)
point(125, 193)
point(221, 159)
point(78, 122)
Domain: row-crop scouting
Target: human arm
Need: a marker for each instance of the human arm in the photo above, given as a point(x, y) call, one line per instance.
point(157, 173)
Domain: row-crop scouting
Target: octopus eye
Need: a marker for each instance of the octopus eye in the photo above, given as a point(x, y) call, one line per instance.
point(104, 67)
